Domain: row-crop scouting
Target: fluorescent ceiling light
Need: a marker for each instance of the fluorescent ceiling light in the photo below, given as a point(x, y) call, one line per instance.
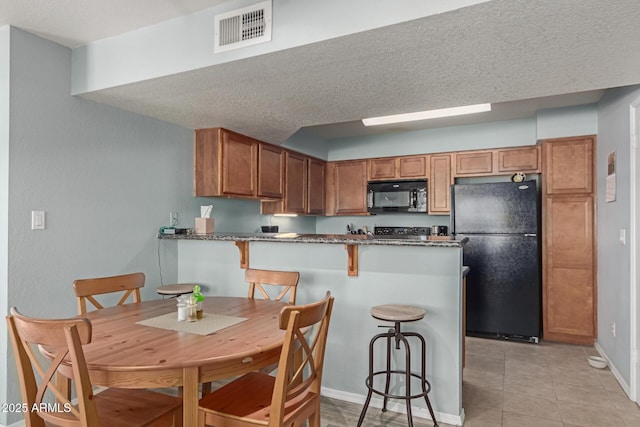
point(424, 115)
point(285, 214)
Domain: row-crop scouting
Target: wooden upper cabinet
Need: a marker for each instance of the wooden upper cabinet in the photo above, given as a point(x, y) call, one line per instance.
point(239, 165)
point(316, 186)
point(412, 167)
point(347, 187)
point(568, 165)
point(526, 159)
point(270, 171)
point(474, 163)
point(406, 167)
point(225, 163)
point(440, 180)
point(206, 162)
point(501, 161)
point(304, 182)
point(382, 168)
point(295, 200)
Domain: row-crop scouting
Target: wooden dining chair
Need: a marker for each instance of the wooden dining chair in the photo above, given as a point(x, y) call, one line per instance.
point(87, 289)
point(293, 395)
point(287, 280)
point(64, 339)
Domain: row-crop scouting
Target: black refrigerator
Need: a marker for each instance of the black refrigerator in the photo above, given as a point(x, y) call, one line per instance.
point(501, 221)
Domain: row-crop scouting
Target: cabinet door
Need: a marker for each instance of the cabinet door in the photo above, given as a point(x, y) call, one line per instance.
point(519, 159)
point(440, 180)
point(295, 200)
point(382, 168)
point(315, 186)
point(474, 163)
point(412, 167)
point(270, 171)
point(568, 279)
point(568, 167)
point(206, 165)
point(350, 180)
point(239, 165)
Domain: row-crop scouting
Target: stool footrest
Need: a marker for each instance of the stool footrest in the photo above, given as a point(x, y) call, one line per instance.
point(425, 391)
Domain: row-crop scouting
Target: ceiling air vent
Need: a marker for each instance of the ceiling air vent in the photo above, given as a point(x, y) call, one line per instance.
point(243, 27)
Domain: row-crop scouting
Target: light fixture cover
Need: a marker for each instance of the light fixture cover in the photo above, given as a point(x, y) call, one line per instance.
point(425, 115)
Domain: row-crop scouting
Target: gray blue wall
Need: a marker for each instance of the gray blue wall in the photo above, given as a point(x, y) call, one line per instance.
point(4, 202)
point(614, 282)
point(106, 178)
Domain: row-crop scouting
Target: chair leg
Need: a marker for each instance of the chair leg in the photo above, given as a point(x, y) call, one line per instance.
point(177, 418)
point(314, 420)
point(206, 389)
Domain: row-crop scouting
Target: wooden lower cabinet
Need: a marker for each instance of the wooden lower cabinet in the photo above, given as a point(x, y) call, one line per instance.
point(569, 293)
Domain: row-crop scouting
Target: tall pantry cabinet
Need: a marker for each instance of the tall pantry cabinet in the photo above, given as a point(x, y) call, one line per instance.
point(569, 289)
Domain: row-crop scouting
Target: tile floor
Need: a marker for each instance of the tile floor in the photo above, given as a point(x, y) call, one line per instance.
point(519, 385)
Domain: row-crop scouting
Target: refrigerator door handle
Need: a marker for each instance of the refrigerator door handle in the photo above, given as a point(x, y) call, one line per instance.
point(530, 235)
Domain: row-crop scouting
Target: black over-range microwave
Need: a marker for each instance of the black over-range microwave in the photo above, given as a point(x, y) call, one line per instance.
point(397, 196)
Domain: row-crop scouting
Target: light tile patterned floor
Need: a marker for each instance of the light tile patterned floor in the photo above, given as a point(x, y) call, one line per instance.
point(509, 384)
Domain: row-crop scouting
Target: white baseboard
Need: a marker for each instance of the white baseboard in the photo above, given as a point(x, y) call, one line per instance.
point(456, 420)
point(614, 371)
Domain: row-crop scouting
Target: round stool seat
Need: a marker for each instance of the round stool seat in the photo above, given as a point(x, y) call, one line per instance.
point(177, 289)
point(397, 312)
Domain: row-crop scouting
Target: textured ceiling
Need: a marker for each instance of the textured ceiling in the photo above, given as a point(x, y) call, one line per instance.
point(521, 55)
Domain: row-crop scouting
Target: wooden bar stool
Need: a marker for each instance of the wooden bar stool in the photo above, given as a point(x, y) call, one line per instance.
point(398, 314)
point(176, 290)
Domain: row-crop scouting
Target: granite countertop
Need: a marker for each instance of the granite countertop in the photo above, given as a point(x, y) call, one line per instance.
point(348, 239)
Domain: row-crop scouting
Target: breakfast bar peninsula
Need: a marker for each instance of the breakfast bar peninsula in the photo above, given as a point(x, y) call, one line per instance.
point(361, 272)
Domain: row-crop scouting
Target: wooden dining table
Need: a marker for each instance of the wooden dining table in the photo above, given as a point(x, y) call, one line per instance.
point(125, 354)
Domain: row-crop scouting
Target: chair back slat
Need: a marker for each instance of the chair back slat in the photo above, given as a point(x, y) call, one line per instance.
point(86, 289)
point(306, 328)
point(61, 338)
point(257, 280)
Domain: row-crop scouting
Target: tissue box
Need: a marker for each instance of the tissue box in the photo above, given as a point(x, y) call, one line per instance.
point(204, 226)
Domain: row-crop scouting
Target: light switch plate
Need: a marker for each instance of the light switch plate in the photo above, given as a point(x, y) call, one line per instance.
point(623, 236)
point(37, 220)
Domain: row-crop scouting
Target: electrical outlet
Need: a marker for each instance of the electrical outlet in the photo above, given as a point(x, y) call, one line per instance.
point(613, 329)
point(173, 219)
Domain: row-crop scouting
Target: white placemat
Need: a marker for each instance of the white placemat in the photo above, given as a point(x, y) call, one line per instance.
point(209, 323)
